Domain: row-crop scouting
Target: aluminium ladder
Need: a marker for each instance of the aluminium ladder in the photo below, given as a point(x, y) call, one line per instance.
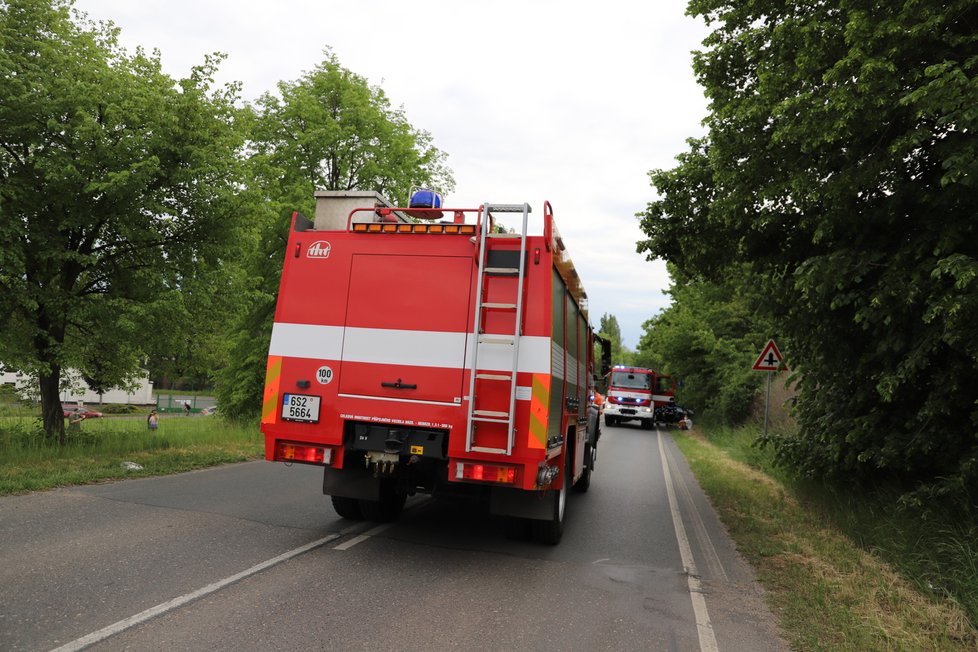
point(486, 343)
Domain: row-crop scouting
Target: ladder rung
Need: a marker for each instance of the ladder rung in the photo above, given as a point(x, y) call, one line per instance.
point(493, 377)
point(491, 413)
point(502, 270)
point(507, 208)
point(483, 449)
point(505, 235)
point(497, 339)
point(489, 420)
point(508, 306)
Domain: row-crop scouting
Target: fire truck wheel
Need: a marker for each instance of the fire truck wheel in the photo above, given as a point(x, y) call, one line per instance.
point(610, 421)
point(584, 482)
point(347, 508)
point(550, 531)
point(386, 509)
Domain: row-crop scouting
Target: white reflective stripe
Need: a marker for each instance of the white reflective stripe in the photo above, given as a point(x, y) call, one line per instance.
point(408, 348)
point(662, 398)
point(306, 341)
point(402, 347)
point(534, 355)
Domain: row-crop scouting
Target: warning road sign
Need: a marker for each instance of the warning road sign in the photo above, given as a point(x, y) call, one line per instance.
point(770, 358)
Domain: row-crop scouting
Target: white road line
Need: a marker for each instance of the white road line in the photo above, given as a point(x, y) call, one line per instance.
point(414, 505)
point(700, 533)
point(704, 628)
point(346, 545)
point(170, 605)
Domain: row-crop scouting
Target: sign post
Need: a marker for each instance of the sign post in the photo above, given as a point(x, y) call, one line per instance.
point(770, 361)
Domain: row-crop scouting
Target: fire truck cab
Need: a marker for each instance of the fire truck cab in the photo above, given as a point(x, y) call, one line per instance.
point(630, 396)
point(433, 350)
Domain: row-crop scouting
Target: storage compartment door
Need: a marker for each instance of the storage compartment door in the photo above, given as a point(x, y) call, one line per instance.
point(406, 324)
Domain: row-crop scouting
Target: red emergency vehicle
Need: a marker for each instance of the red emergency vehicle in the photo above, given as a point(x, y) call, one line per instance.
point(634, 393)
point(426, 349)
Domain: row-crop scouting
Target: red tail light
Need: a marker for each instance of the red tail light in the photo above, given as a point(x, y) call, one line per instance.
point(479, 471)
point(288, 452)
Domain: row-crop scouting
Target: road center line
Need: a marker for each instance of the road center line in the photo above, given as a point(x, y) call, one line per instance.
point(704, 628)
point(169, 605)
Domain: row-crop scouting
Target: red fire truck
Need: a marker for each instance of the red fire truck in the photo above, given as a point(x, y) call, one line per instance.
point(431, 350)
point(634, 393)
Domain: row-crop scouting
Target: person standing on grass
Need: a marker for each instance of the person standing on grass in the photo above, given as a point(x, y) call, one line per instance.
point(74, 421)
point(153, 420)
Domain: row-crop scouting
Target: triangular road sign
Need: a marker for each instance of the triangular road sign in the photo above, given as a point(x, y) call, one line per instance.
point(770, 358)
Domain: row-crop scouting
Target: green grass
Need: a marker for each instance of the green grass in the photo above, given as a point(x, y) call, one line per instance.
point(843, 572)
point(28, 462)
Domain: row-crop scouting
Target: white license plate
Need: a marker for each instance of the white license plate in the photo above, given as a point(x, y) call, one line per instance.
point(300, 407)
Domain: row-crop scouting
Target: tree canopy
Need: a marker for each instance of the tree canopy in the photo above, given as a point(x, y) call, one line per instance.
point(329, 130)
point(702, 340)
point(838, 176)
point(116, 187)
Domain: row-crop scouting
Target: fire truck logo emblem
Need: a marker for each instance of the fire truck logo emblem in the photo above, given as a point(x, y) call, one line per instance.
point(319, 249)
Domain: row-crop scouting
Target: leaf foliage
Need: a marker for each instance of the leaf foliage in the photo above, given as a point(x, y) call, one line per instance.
point(840, 167)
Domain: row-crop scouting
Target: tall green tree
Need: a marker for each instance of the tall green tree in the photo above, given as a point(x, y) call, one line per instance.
point(609, 329)
point(707, 338)
point(841, 165)
point(328, 130)
point(115, 187)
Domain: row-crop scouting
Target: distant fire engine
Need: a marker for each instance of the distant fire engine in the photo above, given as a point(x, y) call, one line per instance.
point(634, 393)
point(426, 349)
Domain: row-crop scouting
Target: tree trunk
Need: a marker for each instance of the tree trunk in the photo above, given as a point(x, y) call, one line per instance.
point(51, 412)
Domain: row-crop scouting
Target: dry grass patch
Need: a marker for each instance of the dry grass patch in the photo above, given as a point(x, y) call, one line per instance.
point(828, 593)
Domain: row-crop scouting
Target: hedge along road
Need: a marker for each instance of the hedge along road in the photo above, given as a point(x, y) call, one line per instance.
point(251, 556)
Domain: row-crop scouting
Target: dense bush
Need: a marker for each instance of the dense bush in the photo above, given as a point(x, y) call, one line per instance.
point(837, 180)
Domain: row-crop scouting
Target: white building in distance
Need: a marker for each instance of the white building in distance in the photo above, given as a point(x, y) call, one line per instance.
point(78, 392)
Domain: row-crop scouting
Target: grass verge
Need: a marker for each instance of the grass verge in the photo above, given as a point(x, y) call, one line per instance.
point(828, 592)
point(102, 447)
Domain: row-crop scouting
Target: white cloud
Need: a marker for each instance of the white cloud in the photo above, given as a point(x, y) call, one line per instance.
point(532, 100)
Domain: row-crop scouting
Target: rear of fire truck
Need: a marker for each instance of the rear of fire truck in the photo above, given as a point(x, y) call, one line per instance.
point(425, 349)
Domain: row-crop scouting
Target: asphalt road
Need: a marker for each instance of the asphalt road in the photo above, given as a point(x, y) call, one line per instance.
point(252, 557)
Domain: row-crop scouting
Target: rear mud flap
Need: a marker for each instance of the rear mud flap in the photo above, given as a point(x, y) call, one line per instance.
point(536, 505)
point(351, 483)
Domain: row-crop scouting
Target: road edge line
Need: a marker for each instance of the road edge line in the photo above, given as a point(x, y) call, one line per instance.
point(704, 628)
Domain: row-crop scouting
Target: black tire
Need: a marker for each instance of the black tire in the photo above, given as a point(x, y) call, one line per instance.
point(386, 509)
point(549, 532)
point(347, 508)
point(610, 421)
point(584, 482)
point(648, 424)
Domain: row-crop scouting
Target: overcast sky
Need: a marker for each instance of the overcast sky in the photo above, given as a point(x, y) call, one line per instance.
point(532, 100)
